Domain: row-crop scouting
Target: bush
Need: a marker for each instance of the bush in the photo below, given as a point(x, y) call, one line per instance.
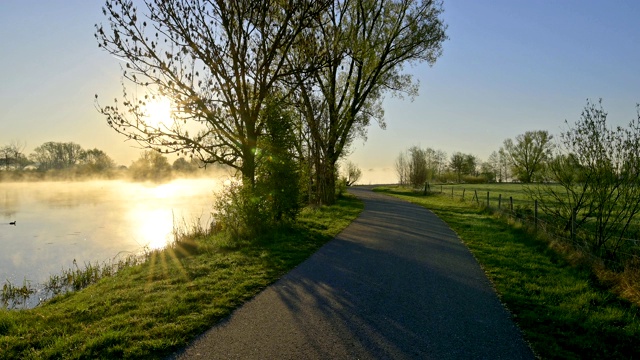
point(239, 212)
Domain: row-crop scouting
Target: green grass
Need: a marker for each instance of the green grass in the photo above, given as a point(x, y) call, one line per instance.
point(563, 312)
point(152, 310)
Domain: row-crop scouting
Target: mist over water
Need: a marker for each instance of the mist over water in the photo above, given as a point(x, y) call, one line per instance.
point(96, 221)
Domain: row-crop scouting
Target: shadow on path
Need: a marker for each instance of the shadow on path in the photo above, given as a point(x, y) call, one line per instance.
point(396, 284)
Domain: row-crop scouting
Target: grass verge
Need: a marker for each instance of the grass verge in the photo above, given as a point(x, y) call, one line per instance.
point(564, 312)
point(153, 309)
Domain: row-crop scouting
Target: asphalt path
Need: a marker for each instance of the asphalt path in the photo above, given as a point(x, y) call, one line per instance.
point(397, 283)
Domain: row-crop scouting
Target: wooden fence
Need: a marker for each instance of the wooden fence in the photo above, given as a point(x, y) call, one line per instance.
point(526, 211)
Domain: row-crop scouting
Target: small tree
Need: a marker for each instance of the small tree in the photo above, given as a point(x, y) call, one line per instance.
point(279, 177)
point(417, 167)
point(352, 173)
point(402, 169)
point(500, 164)
point(96, 161)
point(150, 166)
point(183, 166)
point(457, 164)
point(598, 177)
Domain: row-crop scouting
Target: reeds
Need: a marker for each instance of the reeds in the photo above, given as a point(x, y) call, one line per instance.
point(13, 295)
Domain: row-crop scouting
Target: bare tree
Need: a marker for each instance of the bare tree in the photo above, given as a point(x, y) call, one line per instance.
point(57, 155)
point(12, 155)
point(352, 173)
point(402, 168)
point(500, 164)
point(216, 60)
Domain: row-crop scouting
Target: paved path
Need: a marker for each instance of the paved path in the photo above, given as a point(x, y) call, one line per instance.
point(396, 284)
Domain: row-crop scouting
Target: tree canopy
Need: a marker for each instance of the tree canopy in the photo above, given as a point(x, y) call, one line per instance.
point(529, 154)
point(220, 62)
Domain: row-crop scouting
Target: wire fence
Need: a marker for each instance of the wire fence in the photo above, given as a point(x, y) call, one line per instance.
point(527, 212)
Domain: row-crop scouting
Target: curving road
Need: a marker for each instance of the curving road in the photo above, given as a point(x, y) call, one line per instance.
point(395, 284)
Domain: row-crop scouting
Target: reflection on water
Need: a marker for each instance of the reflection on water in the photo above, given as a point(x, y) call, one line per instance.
point(58, 222)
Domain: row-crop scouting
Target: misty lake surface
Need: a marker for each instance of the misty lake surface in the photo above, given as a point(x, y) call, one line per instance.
point(96, 221)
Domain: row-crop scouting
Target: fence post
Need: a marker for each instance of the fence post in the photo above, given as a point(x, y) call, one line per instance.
point(511, 203)
point(463, 190)
point(535, 215)
point(476, 196)
point(499, 201)
point(487, 199)
point(452, 192)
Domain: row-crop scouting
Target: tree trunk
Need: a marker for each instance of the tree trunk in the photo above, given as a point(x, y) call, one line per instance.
point(248, 168)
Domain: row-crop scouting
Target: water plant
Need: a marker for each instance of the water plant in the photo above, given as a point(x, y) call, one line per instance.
point(14, 296)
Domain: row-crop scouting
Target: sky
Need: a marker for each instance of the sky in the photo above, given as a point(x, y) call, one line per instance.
point(509, 66)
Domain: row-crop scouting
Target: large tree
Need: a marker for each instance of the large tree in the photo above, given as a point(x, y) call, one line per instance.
point(217, 61)
point(529, 154)
point(462, 164)
point(57, 155)
point(359, 48)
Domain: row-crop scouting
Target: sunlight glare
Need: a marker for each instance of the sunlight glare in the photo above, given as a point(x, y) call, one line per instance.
point(159, 112)
point(155, 228)
point(165, 190)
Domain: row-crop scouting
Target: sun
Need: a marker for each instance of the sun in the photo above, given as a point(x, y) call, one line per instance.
point(158, 112)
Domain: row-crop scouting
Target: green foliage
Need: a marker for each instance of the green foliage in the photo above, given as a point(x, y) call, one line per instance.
point(341, 187)
point(182, 166)
point(278, 173)
point(150, 166)
point(463, 165)
point(247, 210)
point(529, 154)
point(416, 166)
point(239, 212)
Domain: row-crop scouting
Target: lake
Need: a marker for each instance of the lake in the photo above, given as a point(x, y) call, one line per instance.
point(96, 221)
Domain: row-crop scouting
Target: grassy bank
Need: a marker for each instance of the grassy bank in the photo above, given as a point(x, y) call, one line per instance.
point(154, 309)
point(562, 310)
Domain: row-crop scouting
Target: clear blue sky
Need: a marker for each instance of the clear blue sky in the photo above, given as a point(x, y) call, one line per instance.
point(508, 67)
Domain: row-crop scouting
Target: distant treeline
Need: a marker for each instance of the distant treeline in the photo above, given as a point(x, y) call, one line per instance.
point(69, 161)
